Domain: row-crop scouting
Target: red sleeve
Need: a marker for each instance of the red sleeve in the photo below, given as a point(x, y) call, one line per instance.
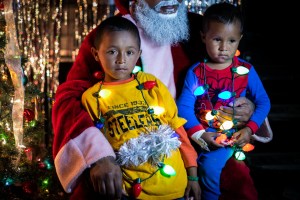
point(69, 118)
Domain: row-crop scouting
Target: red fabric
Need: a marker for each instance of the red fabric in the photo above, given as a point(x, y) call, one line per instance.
point(123, 6)
point(194, 129)
point(253, 126)
point(68, 117)
point(85, 65)
point(236, 182)
point(84, 190)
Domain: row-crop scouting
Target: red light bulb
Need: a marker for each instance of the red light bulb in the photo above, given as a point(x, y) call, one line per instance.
point(137, 188)
point(98, 75)
point(147, 85)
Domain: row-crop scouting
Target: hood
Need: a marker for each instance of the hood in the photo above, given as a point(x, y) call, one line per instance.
point(122, 6)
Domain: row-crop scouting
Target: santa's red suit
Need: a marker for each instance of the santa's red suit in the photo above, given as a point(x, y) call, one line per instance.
point(78, 143)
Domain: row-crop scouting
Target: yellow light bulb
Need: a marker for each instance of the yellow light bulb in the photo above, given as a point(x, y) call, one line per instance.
point(158, 110)
point(226, 125)
point(104, 93)
point(209, 116)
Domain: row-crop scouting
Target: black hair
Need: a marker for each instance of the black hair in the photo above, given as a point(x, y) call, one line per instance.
point(115, 23)
point(224, 13)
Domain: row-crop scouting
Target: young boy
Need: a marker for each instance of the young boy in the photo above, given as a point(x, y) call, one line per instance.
point(214, 83)
point(139, 117)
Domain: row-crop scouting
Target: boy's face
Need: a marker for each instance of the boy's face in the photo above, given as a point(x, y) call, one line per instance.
point(117, 53)
point(221, 41)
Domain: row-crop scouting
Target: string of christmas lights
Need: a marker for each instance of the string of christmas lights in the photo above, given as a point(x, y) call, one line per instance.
point(29, 79)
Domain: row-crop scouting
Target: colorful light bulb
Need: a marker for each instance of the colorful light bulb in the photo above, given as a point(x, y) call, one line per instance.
point(225, 95)
point(158, 110)
point(137, 188)
point(240, 70)
point(166, 170)
point(98, 75)
point(136, 69)
point(100, 123)
point(239, 155)
point(3, 138)
point(226, 125)
point(248, 147)
point(200, 90)
point(104, 93)
point(220, 139)
point(209, 116)
point(147, 85)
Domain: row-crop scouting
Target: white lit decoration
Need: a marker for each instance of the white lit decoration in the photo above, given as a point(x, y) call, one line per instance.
point(13, 61)
point(39, 28)
point(198, 6)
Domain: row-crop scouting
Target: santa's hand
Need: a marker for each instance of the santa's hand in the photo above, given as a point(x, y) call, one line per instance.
point(243, 109)
point(242, 137)
point(106, 178)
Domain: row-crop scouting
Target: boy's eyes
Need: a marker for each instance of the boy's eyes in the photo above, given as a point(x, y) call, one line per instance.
point(218, 40)
point(111, 51)
point(130, 52)
point(114, 52)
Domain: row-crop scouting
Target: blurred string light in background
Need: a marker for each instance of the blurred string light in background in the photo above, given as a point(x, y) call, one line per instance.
point(198, 6)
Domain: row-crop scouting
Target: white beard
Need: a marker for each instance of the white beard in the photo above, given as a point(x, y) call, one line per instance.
point(162, 29)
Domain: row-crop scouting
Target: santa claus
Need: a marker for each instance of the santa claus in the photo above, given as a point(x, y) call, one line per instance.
point(170, 43)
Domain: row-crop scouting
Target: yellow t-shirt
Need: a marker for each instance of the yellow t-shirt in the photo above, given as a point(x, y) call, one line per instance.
point(126, 117)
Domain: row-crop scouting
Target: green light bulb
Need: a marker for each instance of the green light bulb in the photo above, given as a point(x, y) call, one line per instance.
point(239, 155)
point(167, 170)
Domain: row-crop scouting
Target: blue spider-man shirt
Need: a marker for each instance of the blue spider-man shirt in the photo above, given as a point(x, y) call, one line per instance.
point(193, 108)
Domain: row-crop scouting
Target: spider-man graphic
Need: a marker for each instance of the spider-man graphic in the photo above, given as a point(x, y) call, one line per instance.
point(218, 81)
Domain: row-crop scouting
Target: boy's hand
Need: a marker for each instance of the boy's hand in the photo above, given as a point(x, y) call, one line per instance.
point(209, 138)
point(106, 178)
point(193, 190)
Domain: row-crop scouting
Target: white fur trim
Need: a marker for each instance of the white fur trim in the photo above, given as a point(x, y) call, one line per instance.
point(262, 139)
point(157, 59)
point(197, 138)
point(265, 135)
point(78, 154)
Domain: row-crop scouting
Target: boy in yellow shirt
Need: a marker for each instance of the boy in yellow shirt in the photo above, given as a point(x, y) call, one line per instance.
point(139, 117)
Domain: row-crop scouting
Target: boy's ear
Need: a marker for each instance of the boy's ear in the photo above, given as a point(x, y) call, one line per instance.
point(95, 53)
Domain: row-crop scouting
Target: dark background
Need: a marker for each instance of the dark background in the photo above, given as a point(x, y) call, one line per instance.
point(271, 39)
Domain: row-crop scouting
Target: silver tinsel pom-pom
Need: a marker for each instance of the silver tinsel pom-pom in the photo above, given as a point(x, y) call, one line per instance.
point(149, 147)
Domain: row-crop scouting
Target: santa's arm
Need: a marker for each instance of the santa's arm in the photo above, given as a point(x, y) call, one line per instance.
point(77, 143)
